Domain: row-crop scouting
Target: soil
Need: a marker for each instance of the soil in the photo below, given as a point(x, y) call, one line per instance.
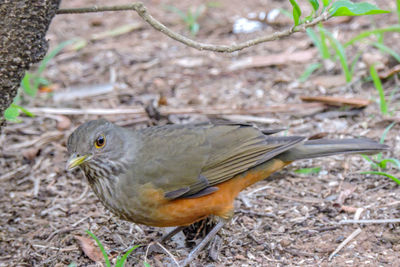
point(289, 219)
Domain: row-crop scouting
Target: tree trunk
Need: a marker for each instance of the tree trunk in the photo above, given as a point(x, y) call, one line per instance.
point(23, 27)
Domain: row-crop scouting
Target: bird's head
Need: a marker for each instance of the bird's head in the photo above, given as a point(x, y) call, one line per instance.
point(96, 144)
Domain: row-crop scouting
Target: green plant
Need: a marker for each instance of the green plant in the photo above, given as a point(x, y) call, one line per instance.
point(308, 170)
point(336, 8)
point(398, 9)
point(340, 52)
point(30, 85)
point(190, 17)
point(378, 85)
point(379, 164)
point(120, 260)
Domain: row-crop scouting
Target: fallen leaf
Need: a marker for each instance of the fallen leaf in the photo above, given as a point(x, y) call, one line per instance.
point(90, 249)
point(390, 72)
point(273, 59)
point(337, 101)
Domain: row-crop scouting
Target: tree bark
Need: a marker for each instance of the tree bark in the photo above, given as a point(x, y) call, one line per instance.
point(23, 27)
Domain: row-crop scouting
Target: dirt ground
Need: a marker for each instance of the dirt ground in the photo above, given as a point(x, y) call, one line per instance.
point(290, 219)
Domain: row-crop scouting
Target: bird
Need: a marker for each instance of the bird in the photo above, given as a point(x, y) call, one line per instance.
point(176, 175)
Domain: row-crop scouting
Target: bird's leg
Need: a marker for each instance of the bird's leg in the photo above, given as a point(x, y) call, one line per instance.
point(171, 234)
point(204, 242)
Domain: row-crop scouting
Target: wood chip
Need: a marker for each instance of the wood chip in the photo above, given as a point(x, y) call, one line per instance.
point(337, 101)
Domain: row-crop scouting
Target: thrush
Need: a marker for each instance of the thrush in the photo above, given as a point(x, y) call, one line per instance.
point(175, 175)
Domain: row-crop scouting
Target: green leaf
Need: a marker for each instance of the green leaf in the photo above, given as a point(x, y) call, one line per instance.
point(308, 170)
point(106, 259)
point(379, 87)
point(146, 264)
point(314, 4)
point(326, 2)
point(11, 114)
point(397, 180)
point(296, 12)
point(348, 8)
point(309, 70)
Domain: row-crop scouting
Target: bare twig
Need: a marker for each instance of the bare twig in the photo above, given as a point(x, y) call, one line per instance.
point(283, 108)
point(345, 242)
point(142, 12)
point(163, 248)
point(371, 221)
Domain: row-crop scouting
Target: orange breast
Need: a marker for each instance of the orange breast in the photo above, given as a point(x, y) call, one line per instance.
point(220, 203)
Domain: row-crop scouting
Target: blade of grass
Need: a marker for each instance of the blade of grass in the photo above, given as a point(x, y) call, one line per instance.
point(52, 54)
point(309, 70)
point(385, 132)
point(308, 170)
point(388, 50)
point(341, 53)
point(383, 174)
point(325, 49)
point(398, 9)
point(395, 162)
point(365, 34)
point(379, 87)
point(106, 259)
point(354, 62)
point(317, 43)
point(120, 262)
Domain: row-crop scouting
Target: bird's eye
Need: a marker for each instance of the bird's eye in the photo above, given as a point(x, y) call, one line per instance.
point(100, 141)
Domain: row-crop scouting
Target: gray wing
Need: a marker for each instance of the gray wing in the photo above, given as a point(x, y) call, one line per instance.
point(187, 161)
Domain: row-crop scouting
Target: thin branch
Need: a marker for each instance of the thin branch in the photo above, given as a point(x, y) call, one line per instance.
point(345, 242)
point(371, 221)
point(283, 108)
point(142, 12)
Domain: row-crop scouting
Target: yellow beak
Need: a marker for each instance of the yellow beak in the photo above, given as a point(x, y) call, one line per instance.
point(75, 161)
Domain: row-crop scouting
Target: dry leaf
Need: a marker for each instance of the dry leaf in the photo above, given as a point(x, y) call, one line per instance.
point(390, 72)
point(273, 59)
point(90, 248)
point(338, 101)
